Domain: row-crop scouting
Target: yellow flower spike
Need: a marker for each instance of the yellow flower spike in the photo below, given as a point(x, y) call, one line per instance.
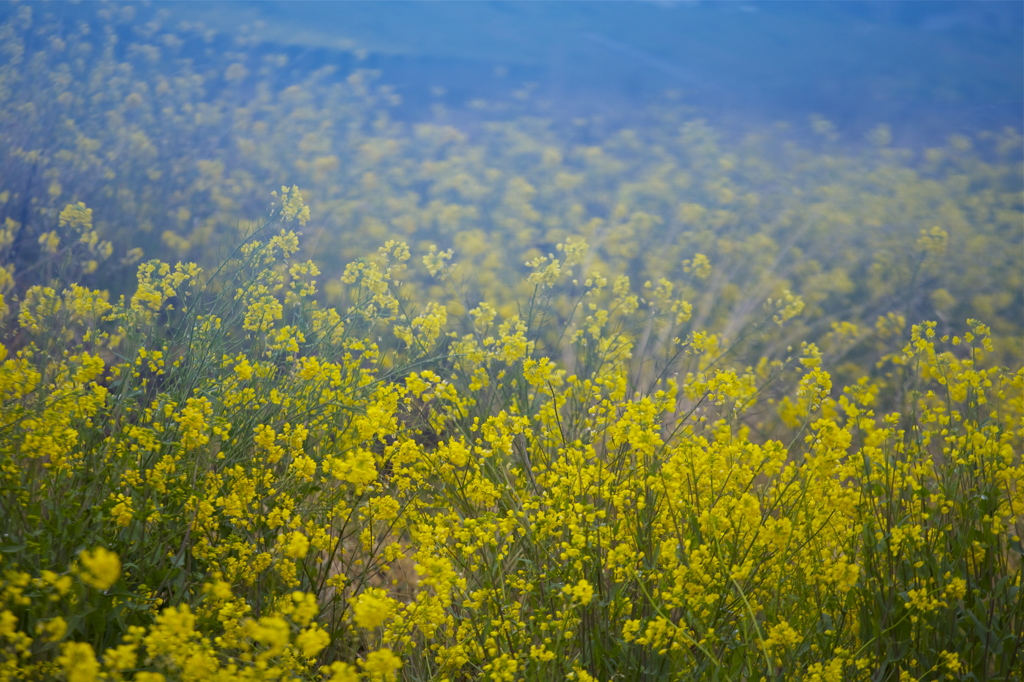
point(121, 658)
point(304, 608)
point(381, 665)
point(146, 676)
point(78, 660)
point(122, 511)
point(358, 468)
point(76, 216)
point(575, 251)
point(294, 545)
point(786, 308)
point(546, 271)
point(373, 608)
point(699, 266)
point(340, 672)
point(102, 568)
point(50, 241)
point(273, 632)
point(581, 593)
point(62, 583)
point(292, 206)
point(52, 630)
point(436, 261)
point(311, 641)
point(243, 369)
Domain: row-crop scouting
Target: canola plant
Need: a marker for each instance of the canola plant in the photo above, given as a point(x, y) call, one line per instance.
point(533, 402)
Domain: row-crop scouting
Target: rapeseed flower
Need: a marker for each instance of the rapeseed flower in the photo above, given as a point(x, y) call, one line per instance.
point(381, 665)
point(581, 593)
point(78, 661)
point(372, 608)
point(102, 568)
point(456, 440)
point(294, 545)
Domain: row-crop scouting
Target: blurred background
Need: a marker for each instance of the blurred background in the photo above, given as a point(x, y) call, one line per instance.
point(865, 155)
point(927, 69)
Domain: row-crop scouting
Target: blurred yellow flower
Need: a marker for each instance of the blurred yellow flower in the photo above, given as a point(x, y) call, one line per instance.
point(102, 568)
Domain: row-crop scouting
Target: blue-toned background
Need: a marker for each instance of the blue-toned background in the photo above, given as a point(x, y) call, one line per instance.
point(925, 68)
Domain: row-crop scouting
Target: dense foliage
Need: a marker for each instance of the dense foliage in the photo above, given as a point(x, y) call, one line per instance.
point(626, 404)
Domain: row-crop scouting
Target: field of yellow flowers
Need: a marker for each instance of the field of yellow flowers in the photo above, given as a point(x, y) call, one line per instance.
point(530, 401)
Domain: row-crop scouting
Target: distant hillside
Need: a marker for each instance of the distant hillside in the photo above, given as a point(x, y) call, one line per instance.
point(926, 68)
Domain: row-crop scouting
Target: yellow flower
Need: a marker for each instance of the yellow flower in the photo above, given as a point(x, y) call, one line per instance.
point(243, 369)
point(50, 241)
point(292, 205)
point(102, 568)
point(79, 662)
point(582, 592)
point(372, 608)
point(122, 512)
point(295, 545)
point(382, 665)
point(435, 261)
point(341, 672)
point(700, 266)
point(502, 668)
point(62, 583)
point(783, 635)
point(52, 630)
point(76, 216)
point(271, 631)
point(358, 468)
point(304, 608)
point(149, 677)
point(312, 641)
